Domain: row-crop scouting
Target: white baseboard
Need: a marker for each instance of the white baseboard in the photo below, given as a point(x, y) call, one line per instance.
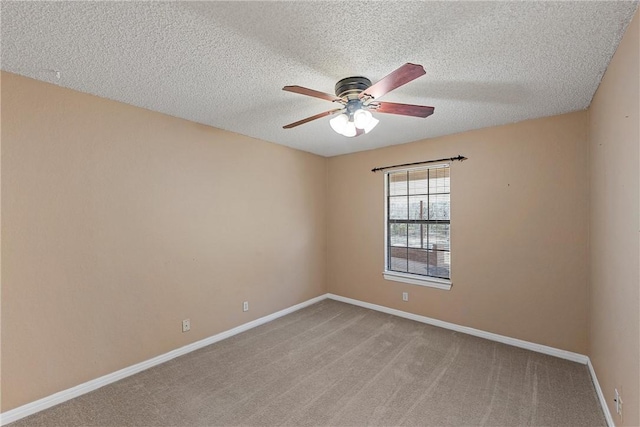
point(62, 396)
point(603, 401)
point(563, 354)
point(70, 393)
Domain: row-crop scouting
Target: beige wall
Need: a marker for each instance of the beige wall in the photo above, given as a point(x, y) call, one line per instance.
point(519, 220)
point(119, 222)
point(614, 322)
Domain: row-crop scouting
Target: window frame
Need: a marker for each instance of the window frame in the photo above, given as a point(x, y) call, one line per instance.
point(413, 279)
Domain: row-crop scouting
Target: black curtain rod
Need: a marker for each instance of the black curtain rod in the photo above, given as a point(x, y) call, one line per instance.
point(460, 158)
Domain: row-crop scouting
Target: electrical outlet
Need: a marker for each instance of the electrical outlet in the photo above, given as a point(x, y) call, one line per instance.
point(405, 296)
point(618, 400)
point(186, 325)
point(245, 306)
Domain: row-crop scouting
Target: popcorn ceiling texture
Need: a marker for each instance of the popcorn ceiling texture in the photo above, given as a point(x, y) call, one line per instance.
point(224, 63)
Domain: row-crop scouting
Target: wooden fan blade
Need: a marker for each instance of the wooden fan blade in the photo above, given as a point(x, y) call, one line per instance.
point(310, 92)
point(402, 109)
point(308, 119)
point(397, 78)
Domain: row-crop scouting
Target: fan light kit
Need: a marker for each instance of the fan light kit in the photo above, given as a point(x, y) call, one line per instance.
point(362, 119)
point(357, 96)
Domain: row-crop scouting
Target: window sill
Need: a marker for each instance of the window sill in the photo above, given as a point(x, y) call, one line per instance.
point(430, 282)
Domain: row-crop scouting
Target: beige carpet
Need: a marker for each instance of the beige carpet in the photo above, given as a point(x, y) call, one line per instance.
point(341, 365)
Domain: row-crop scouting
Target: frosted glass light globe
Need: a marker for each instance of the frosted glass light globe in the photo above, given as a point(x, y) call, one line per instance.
point(339, 123)
point(372, 123)
point(361, 118)
point(350, 130)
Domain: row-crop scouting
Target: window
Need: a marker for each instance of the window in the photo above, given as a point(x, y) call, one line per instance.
point(417, 219)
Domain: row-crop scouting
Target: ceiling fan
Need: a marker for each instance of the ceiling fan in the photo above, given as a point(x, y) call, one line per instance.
point(358, 98)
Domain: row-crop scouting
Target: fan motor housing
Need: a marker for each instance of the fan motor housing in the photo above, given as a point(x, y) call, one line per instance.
point(351, 87)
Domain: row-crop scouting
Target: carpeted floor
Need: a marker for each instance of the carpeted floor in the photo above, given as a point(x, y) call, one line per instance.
point(340, 365)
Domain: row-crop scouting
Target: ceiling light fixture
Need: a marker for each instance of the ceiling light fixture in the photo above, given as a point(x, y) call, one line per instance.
point(348, 124)
point(355, 118)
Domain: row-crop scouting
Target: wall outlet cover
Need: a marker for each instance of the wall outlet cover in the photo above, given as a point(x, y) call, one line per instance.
point(618, 401)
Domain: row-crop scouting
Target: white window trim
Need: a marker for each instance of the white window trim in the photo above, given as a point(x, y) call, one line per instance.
point(412, 279)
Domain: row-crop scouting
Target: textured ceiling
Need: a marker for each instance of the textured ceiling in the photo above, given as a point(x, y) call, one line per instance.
point(224, 63)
